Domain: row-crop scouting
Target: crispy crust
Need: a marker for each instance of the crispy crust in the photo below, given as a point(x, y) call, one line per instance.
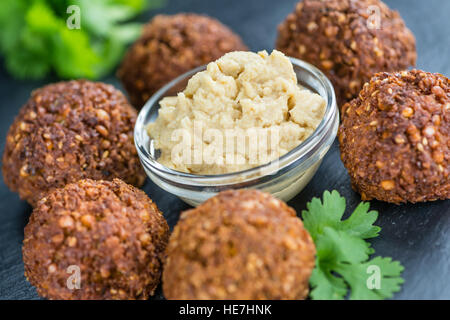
point(112, 231)
point(171, 46)
point(394, 137)
point(335, 36)
point(69, 131)
point(241, 244)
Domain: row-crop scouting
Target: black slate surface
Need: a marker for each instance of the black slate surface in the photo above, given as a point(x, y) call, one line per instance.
point(417, 235)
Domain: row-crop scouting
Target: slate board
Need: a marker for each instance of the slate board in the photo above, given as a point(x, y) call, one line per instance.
point(417, 235)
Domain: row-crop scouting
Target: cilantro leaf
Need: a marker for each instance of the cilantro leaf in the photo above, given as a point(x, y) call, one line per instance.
point(317, 217)
point(35, 38)
point(342, 247)
point(329, 214)
point(360, 223)
point(342, 261)
point(358, 274)
point(12, 15)
point(326, 285)
point(102, 15)
point(27, 64)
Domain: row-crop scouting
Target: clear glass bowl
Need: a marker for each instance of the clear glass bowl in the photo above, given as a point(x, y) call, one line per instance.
point(284, 177)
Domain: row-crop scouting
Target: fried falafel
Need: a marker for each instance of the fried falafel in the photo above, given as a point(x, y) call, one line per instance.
point(171, 46)
point(112, 232)
point(348, 40)
point(69, 131)
point(240, 244)
point(394, 138)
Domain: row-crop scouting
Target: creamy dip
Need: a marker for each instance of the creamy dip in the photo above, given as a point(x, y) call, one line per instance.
point(244, 110)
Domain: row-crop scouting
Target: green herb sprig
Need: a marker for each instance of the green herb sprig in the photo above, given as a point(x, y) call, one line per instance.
point(35, 38)
point(342, 261)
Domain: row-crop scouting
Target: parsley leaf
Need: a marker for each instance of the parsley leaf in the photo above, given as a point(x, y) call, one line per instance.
point(342, 260)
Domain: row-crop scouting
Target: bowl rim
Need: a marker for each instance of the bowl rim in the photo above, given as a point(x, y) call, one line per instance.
point(298, 154)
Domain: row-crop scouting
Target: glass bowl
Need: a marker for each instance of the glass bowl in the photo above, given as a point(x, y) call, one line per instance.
point(284, 178)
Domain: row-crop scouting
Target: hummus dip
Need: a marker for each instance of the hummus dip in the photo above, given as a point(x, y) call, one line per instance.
point(244, 110)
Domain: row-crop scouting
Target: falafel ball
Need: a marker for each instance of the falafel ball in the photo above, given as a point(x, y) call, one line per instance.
point(171, 46)
point(394, 137)
point(107, 233)
point(240, 244)
point(348, 40)
point(69, 131)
